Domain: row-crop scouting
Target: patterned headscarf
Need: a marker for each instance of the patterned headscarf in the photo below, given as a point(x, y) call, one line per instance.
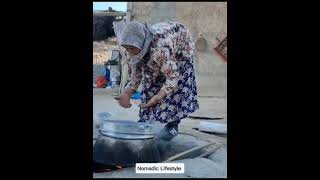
point(138, 35)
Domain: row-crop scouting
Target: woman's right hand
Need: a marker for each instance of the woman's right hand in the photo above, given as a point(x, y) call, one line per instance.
point(124, 100)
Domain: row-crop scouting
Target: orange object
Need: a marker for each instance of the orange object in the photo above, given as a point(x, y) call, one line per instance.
point(101, 82)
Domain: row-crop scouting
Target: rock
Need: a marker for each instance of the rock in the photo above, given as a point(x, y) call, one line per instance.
point(203, 168)
point(220, 156)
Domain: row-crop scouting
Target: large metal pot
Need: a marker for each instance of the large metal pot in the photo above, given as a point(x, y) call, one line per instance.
point(125, 143)
point(124, 152)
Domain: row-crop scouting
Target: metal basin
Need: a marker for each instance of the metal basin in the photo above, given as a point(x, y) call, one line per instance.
point(123, 129)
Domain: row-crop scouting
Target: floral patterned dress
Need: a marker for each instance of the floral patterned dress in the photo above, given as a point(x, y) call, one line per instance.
point(169, 65)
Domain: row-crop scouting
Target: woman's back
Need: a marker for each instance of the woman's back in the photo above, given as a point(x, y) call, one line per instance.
point(174, 36)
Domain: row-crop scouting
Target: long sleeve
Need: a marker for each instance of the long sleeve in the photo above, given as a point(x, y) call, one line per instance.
point(168, 66)
point(135, 77)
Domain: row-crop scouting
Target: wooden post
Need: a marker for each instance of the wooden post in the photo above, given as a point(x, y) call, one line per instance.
point(129, 11)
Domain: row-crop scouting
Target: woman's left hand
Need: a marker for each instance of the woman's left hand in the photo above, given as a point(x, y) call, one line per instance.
point(154, 100)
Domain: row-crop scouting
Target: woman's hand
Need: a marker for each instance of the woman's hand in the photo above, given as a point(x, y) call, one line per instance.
point(124, 100)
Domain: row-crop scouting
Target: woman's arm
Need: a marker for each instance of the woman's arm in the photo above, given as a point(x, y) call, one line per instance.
point(135, 77)
point(168, 67)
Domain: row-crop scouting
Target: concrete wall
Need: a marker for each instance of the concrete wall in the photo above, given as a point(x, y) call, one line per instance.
point(207, 18)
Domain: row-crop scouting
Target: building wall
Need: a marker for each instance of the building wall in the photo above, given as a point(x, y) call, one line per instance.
point(206, 18)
